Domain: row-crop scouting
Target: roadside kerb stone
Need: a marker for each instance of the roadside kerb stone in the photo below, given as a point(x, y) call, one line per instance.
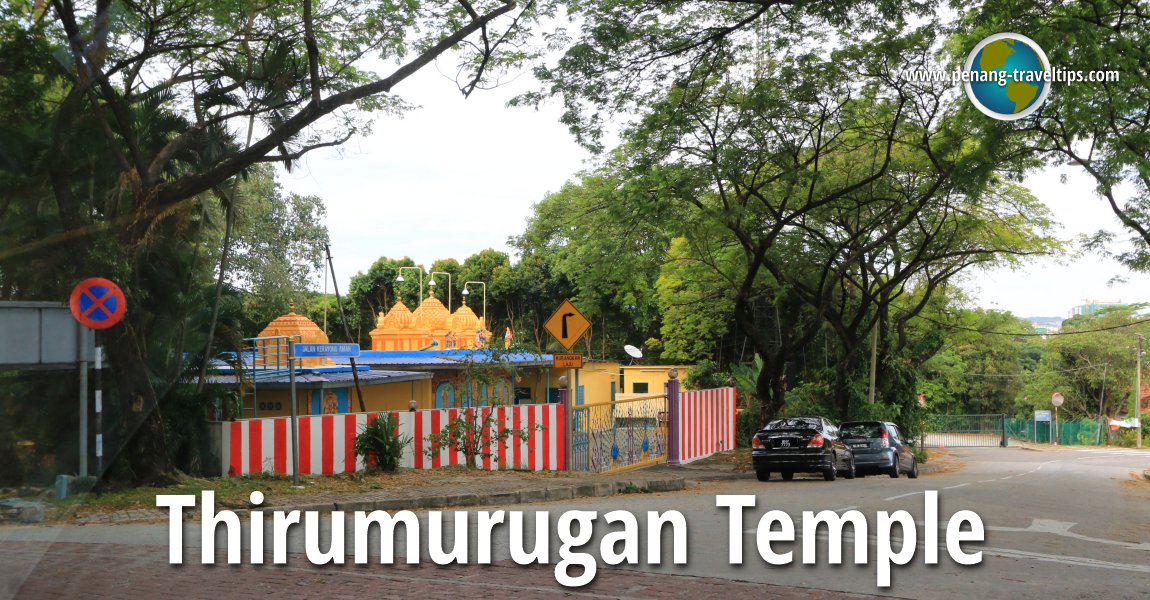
point(431, 502)
point(499, 498)
point(537, 495)
point(667, 485)
point(560, 493)
point(600, 489)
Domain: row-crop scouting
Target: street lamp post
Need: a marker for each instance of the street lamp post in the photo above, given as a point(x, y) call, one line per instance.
point(431, 284)
point(400, 280)
point(467, 293)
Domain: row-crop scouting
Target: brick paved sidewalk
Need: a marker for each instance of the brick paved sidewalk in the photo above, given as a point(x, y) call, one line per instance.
point(35, 570)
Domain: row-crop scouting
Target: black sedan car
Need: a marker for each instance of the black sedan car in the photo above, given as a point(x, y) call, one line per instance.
point(801, 445)
point(879, 447)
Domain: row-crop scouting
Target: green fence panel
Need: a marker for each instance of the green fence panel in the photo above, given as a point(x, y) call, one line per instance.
point(1071, 432)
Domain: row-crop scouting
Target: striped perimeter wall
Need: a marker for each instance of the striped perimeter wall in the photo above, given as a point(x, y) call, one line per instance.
point(707, 423)
point(326, 443)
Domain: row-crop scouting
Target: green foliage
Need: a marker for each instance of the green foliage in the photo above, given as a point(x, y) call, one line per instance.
point(809, 399)
point(377, 291)
point(477, 434)
point(695, 300)
point(746, 377)
point(600, 235)
point(380, 445)
point(705, 375)
point(278, 248)
point(976, 373)
point(747, 423)
point(1099, 129)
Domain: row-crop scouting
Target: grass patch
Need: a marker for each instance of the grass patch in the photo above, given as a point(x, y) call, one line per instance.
point(234, 492)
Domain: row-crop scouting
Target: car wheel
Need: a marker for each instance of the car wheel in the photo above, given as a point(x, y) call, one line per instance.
point(788, 475)
point(832, 471)
point(913, 474)
point(894, 470)
point(850, 474)
point(763, 475)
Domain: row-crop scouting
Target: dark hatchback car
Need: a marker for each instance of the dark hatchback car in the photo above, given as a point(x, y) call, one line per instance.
point(801, 445)
point(879, 447)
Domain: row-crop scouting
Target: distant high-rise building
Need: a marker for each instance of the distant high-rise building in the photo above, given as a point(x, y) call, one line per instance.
point(1089, 307)
point(1045, 325)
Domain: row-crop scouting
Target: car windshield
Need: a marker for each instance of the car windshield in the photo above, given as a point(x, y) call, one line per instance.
point(794, 423)
point(861, 430)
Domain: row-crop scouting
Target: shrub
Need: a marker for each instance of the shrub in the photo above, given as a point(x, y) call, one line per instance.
point(746, 425)
point(475, 434)
point(380, 445)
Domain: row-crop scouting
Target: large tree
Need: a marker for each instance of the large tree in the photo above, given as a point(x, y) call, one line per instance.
point(1100, 127)
point(142, 113)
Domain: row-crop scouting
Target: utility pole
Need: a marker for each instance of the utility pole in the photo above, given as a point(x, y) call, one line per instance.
point(346, 331)
point(1138, 395)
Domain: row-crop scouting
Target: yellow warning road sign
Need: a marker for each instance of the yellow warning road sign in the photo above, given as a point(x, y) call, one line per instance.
point(567, 325)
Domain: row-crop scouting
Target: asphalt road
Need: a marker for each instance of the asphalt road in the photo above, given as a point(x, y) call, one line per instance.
point(1059, 524)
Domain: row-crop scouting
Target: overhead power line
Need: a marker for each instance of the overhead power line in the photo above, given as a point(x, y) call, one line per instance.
point(1026, 334)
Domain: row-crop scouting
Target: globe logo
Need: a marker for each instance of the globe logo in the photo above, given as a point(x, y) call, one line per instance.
point(1007, 76)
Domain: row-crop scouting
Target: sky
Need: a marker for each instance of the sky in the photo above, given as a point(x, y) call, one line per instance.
point(455, 176)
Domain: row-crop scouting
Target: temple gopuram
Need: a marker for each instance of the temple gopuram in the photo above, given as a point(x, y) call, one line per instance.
point(429, 326)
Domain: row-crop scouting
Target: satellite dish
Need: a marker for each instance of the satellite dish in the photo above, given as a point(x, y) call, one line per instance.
point(632, 351)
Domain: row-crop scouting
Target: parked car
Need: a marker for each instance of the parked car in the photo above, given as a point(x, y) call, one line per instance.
point(801, 445)
point(879, 447)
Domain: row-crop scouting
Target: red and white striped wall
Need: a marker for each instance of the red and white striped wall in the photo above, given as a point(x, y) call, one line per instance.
point(707, 423)
point(327, 442)
point(543, 450)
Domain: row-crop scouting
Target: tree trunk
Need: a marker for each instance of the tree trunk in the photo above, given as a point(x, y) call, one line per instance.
point(144, 442)
point(771, 388)
point(228, 220)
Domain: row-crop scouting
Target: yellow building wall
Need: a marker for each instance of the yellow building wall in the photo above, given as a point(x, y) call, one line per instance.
point(395, 396)
point(655, 376)
point(596, 378)
point(376, 398)
point(537, 379)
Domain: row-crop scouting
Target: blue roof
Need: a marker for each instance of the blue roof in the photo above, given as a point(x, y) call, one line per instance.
point(445, 358)
point(322, 377)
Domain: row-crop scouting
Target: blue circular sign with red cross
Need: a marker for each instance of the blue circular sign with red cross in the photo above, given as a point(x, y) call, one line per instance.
point(98, 303)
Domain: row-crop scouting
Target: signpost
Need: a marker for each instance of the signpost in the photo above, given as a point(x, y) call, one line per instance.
point(97, 304)
point(567, 325)
point(1040, 416)
point(567, 361)
point(326, 351)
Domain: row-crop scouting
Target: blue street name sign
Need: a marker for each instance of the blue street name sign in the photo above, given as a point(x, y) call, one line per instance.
point(1039, 415)
point(326, 350)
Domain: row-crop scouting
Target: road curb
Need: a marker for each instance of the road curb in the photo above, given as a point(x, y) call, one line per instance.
point(522, 496)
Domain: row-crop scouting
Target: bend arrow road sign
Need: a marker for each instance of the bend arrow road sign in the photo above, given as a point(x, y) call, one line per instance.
point(326, 350)
point(567, 325)
point(97, 303)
